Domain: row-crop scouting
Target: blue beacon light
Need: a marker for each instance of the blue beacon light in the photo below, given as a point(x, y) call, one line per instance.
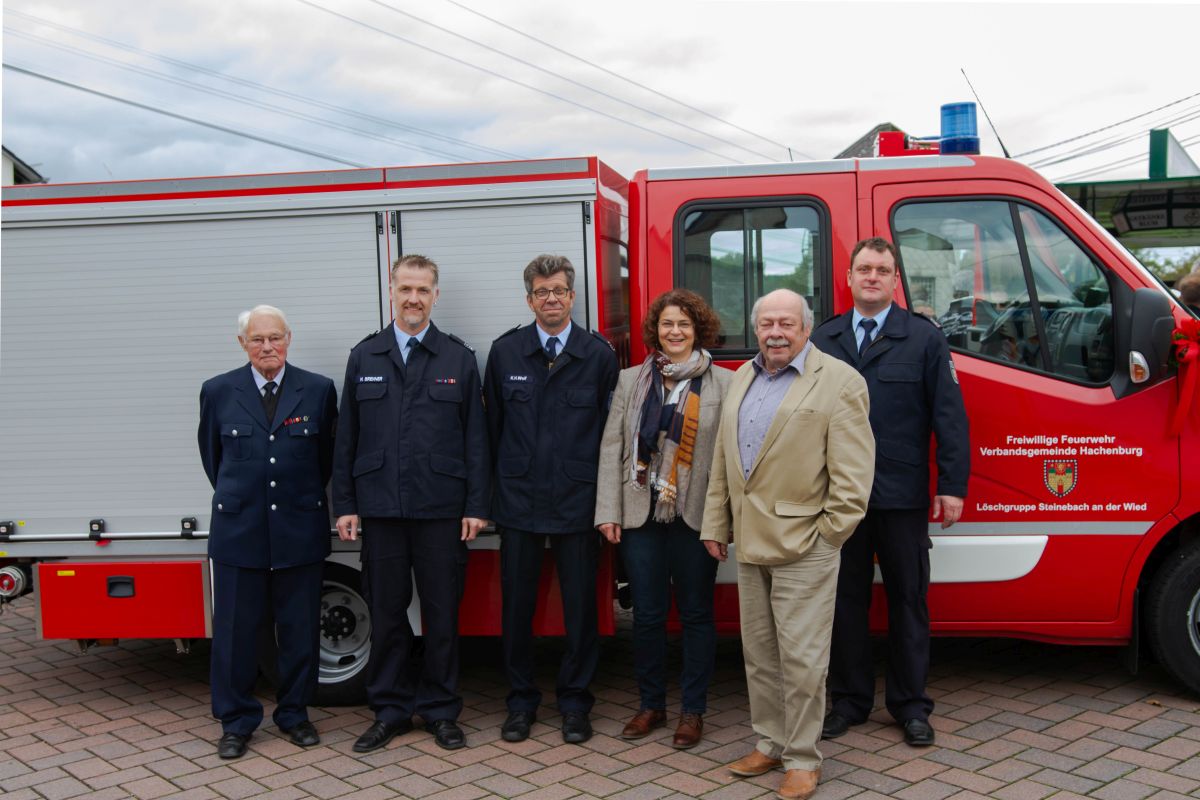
point(960, 132)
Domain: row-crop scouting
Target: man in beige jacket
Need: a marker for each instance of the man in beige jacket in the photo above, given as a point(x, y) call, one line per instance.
point(791, 475)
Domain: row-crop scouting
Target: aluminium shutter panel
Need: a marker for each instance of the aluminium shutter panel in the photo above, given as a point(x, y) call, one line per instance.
point(109, 330)
point(481, 253)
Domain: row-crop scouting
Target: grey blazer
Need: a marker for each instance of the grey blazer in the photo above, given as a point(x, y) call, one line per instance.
point(616, 498)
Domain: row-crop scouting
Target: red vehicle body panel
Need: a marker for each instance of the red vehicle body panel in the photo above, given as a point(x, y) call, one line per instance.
point(123, 600)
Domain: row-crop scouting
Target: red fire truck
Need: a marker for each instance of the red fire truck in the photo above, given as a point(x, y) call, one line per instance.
point(1081, 524)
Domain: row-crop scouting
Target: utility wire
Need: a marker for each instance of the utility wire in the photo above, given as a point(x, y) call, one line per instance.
point(240, 98)
point(173, 115)
point(1107, 127)
point(1124, 162)
point(621, 77)
point(522, 84)
point(264, 88)
point(572, 81)
point(1108, 144)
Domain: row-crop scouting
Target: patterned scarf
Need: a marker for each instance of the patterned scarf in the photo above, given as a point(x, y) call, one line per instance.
point(663, 449)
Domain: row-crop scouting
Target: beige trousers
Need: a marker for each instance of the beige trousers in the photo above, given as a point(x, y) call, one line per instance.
point(787, 623)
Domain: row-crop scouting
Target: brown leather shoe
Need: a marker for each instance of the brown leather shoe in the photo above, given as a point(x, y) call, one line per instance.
point(688, 732)
point(754, 763)
point(643, 722)
point(799, 784)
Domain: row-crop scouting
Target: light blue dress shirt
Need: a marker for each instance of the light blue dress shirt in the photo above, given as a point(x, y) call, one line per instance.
point(561, 336)
point(260, 381)
point(402, 339)
point(761, 402)
point(879, 318)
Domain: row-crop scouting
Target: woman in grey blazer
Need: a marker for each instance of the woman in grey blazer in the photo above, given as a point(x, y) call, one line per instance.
point(653, 476)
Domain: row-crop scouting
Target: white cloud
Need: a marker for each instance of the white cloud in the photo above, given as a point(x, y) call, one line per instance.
point(814, 76)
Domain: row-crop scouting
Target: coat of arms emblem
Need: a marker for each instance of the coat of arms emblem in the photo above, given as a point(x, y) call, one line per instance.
point(1060, 475)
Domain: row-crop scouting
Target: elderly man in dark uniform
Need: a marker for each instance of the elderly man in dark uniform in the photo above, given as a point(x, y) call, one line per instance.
point(914, 392)
point(411, 467)
point(266, 441)
point(548, 386)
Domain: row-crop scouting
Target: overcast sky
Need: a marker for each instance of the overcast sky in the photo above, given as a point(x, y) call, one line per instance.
point(374, 82)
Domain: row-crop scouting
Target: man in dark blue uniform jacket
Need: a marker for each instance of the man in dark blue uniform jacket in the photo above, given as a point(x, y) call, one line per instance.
point(914, 391)
point(547, 387)
point(266, 440)
point(412, 467)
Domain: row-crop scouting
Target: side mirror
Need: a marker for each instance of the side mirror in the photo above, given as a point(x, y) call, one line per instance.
point(1150, 326)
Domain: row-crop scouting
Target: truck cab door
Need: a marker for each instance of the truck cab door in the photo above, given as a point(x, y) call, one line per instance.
point(1067, 477)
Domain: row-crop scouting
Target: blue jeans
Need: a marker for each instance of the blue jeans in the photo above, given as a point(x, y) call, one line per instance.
point(659, 556)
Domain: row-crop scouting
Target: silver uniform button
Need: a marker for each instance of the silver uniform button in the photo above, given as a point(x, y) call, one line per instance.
point(234, 431)
point(306, 431)
point(272, 459)
point(272, 484)
point(220, 507)
point(272, 506)
point(271, 438)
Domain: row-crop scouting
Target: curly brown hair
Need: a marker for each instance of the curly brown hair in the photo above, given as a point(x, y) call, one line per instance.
point(704, 319)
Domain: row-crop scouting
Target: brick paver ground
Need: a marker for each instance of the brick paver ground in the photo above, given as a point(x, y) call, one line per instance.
point(1015, 720)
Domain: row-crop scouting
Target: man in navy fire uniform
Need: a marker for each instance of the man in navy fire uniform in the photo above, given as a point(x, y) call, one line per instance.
point(411, 467)
point(914, 392)
point(266, 441)
point(548, 386)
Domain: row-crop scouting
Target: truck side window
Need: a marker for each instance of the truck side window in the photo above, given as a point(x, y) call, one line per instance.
point(732, 255)
point(1005, 282)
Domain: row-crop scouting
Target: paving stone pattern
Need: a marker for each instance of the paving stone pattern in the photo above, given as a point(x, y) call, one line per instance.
point(1015, 721)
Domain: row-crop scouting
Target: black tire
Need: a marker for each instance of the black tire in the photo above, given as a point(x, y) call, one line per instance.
point(1173, 615)
point(345, 640)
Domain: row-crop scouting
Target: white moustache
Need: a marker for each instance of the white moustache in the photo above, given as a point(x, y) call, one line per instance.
point(777, 342)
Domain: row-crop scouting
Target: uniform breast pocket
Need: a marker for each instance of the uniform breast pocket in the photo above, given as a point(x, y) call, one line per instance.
point(516, 393)
point(578, 400)
point(446, 393)
point(235, 440)
point(900, 373)
point(370, 391)
point(303, 437)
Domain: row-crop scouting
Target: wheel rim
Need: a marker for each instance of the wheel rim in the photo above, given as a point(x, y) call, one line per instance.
point(345, 632)
point(1193, 621)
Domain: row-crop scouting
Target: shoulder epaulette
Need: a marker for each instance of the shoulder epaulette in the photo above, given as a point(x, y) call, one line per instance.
point(368, 336)
point(509, 332)
point(931, 320)
point(831, 319)
point(599, 336)
point(454, 338)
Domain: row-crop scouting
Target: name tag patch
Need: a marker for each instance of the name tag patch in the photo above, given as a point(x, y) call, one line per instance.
point(518, 378)
point(371, 378)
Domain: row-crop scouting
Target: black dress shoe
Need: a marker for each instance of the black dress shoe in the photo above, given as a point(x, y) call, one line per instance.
point(447, 734)
point(835, 725)
point(380, 733)
point(516, 727)
point(576, 727)
point(918, 733)
point(303, 734)
point(232, 745)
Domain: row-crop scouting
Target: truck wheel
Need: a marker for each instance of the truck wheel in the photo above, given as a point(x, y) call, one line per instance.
point(345, 640)
point(1173, 615)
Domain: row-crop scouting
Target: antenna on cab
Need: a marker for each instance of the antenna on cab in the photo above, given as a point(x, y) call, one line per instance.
point(986, 116)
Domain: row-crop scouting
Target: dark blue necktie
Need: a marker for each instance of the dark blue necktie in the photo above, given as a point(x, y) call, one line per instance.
point(551, 347)
point(867, 325)
point(270, 401)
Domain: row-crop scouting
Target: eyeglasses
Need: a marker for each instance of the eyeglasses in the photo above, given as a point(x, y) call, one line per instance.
point(258, 341)
point(559, 293)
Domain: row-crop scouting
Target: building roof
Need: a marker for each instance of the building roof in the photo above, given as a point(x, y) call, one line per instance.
point(864, 147)
point(22, 172)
